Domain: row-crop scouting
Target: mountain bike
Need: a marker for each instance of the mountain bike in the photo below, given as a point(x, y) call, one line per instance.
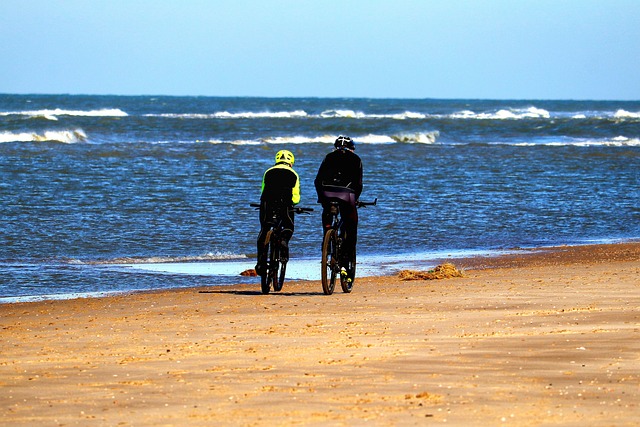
point(275, 265)
point(332, 253)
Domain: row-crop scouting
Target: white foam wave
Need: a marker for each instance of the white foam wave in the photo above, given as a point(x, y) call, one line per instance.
point(623, 114)
point(263, 115)
point(64, 136)
point(328, 114)
point(53, 297)
point(404, 138)
point(373, 139)
point(240, 115)
point(619, 141)
point(350, 114)
point(326, 139)
point(245, 142)
point(342, 114)
point(54, 113)
point(531, 112)
point(219, 256)
point(510, 114)
point(419, 137)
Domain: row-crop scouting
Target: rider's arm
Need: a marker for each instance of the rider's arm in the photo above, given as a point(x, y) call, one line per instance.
point(318, 181)
point(262, 187)
point(295, 191)
point(358, 184)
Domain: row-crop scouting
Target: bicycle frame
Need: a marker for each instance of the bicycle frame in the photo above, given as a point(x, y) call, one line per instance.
point(331, 248)
point(275, 266)
point(331, 253)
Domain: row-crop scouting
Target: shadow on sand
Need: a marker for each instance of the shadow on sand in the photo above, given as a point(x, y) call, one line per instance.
point(258, 292)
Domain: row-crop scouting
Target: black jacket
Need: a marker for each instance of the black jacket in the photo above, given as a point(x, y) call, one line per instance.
point(340, 168)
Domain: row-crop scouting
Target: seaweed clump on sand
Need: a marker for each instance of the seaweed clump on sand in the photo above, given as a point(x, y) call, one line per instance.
point(443, 271)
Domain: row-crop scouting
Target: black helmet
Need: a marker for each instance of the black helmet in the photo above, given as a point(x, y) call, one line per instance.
point(344, 142)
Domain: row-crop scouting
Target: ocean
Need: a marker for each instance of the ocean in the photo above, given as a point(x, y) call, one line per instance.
point(103, 194)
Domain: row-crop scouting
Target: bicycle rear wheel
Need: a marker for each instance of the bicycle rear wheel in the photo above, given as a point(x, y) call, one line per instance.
point(347, 281)
point(278, 268)
point(274, 265)
point(278, 279)
point(267, 276)
point(329, 261)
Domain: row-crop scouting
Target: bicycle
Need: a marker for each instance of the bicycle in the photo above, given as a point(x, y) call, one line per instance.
point(331, 253)
point(275, 266)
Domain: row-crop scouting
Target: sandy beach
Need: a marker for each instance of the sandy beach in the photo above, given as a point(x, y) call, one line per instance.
point(548, 337)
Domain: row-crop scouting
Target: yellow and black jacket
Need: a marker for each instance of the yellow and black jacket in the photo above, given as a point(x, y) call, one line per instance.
point(281, 183)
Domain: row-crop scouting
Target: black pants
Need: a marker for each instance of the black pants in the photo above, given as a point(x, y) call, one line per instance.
point(267, 210)
point(349, 214)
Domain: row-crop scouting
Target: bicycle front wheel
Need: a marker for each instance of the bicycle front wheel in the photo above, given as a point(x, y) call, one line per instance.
point(267, 276)
point(329, 261)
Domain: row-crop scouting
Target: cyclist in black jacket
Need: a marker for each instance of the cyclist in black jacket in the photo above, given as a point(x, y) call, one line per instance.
point(340, 178)
point(280, 191)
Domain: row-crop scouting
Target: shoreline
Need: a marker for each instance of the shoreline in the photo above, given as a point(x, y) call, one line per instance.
point(368, 266)
point(557, 255)
point(538, 337)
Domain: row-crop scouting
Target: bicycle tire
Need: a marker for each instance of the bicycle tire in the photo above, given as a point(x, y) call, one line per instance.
point(329, 262)
point(266, 278)
point(278, 280)
point(274, 262)
point(347, 285)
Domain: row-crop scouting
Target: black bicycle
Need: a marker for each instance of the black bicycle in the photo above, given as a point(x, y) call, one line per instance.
point(331, 253)
point(275, 266)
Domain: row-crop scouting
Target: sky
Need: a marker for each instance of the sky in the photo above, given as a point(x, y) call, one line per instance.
point(448, 49)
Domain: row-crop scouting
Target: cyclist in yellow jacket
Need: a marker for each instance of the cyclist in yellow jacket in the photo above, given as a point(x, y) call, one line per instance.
point(280, 192)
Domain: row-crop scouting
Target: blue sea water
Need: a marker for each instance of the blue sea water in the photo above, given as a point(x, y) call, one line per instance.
point(103, 194)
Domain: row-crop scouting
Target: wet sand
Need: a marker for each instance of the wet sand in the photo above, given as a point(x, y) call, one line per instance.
point(550, 337)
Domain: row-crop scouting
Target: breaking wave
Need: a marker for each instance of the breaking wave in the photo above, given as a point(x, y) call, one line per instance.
point(53, 114)
point(164, 259)
point(433, 137)
point(511, 114)
point(351, 114)
point(63, 136)
point(328, 114)
point(227, 115)
point(501, 114)
point(619, 141)
point(410, 138)
point(622, 114)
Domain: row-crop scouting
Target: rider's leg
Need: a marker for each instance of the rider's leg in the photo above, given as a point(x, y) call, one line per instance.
point(264, 229)
point(326, 217)
point(287, 232)
point(262, 253)
point(350, 224)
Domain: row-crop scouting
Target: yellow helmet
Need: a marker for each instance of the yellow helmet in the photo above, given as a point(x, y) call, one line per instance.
point(285, 156)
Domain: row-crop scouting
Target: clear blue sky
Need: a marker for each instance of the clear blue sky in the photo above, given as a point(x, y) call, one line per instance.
point(500, 49)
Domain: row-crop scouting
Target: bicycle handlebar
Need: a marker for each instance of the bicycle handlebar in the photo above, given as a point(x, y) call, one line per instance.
point(303, 210)
point(298, 210)
point(362, 204)
point(293, 209)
